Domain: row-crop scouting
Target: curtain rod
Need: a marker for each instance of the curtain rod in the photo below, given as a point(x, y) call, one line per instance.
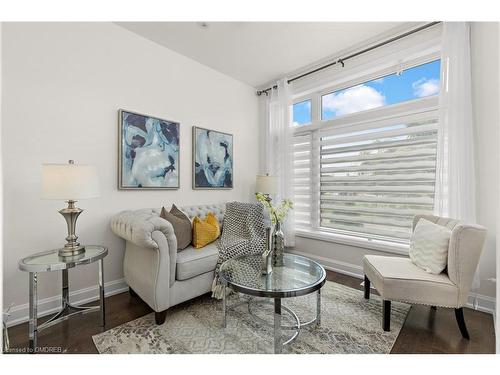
point(355, 54)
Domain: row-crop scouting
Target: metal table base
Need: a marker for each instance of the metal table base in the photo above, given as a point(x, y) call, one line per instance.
point(67, 309)
point(278, 313)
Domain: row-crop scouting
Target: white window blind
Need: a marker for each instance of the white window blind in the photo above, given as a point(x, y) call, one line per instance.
point(302, 187)
point(367, 179)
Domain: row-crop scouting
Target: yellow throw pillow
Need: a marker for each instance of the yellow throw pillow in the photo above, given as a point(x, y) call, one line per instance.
point(212, 219)
point(205, 231)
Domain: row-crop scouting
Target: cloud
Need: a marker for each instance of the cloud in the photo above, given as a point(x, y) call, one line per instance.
point(425, 87)
point(354, 99)
point(301, 110)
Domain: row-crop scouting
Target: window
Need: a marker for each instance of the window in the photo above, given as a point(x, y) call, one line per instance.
point(417, 82)
point(367, 175)
point(302, 113)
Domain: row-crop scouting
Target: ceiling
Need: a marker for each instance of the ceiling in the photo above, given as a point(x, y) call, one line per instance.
point(258, 52)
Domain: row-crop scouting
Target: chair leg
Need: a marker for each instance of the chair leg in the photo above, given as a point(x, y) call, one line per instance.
point(386, 312)
point(160, 317)
point(459, 314)
point(367, 288)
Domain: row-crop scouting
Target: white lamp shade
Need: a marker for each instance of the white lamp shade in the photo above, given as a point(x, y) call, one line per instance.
point(69, 181)
point(267, 184)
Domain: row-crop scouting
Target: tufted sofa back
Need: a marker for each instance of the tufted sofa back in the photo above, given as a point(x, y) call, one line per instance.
point(200, 210)
point(203, 209)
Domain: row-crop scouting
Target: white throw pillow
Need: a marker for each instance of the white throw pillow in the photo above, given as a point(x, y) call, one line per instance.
point(429, 246)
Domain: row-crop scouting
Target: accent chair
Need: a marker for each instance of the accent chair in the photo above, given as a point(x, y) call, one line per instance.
point(398, 279)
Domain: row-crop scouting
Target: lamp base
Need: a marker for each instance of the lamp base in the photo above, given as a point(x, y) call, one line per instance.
point(70, 252)
point(70, 214)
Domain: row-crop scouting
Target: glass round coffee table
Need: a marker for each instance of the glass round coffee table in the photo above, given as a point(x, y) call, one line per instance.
point(297, 277)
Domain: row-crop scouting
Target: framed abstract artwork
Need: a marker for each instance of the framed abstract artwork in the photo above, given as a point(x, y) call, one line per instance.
point(212, 159)
point(148, 152)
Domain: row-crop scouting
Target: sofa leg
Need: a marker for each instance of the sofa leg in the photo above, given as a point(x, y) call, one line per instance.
point(459, 314)
point(367, 288)
point(386, 312)
point(160, 317)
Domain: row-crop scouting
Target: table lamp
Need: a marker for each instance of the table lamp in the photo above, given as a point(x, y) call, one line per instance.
point(267, 185)
point(70, 182)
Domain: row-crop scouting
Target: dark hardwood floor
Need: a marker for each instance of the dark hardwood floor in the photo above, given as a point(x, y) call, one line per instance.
point(428, 331)
point(425, 330)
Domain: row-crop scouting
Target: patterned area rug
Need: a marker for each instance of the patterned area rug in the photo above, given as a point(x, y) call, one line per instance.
point(349, 324)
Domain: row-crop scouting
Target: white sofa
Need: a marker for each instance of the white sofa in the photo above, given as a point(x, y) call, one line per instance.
point(153, 269)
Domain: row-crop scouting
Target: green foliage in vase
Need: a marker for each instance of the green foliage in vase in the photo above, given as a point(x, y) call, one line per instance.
point(277, 212)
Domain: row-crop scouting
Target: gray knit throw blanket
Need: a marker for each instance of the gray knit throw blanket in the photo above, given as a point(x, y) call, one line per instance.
point(243, 232)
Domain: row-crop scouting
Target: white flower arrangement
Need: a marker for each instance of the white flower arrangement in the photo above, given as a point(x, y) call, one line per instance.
point(277, 213)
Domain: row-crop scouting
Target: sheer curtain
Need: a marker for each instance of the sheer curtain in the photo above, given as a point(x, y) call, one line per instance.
point(455, 173)
point(455, 193)
point(278, 149)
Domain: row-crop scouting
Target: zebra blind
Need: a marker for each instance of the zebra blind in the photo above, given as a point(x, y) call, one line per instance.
point(366, 180)
point(374, 180)
point(302, 187)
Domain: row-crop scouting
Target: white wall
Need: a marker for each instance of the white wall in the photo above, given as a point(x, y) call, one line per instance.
point(484, 50)
point(484, 53)
point(497, 332)
point(63, 84)
point(1, 162)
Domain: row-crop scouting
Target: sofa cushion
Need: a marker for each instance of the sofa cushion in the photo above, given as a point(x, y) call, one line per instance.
point(429, 246)
point(181, 224)
point(192, 262)
point(398, 279)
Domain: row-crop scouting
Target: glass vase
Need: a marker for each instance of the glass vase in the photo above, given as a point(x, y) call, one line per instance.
point(266, 259)
point(278, 245)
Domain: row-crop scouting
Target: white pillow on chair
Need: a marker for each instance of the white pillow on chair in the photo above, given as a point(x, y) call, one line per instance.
point(429, 246)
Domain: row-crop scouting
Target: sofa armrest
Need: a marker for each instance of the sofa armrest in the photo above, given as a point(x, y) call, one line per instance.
point(142, 228)
point(138, 227)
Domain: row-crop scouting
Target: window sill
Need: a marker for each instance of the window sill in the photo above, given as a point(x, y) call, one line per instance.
point(384, 246)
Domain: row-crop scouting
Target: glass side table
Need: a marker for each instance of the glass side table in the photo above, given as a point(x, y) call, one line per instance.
point(49, 261)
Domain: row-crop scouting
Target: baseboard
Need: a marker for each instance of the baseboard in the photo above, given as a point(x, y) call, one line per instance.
point(20, 314)
point(484, 303)
point(334, 265)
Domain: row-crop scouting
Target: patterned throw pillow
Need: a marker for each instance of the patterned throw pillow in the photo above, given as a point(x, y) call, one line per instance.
point(205, 231)
point(429, 246)
point(181, 224)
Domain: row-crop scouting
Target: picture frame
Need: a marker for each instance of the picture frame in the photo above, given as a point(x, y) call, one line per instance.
point(213, 159)
point(148, 152)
